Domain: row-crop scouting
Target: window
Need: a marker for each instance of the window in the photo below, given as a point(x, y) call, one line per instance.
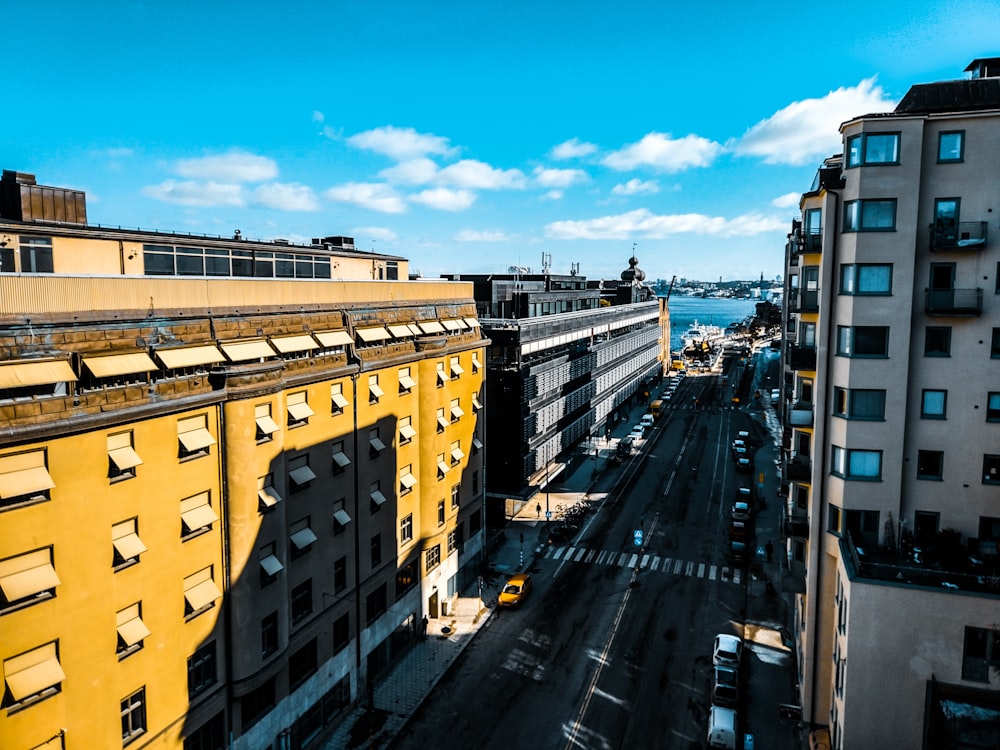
point(442, 375)
point(27, 579)
point(872, 148)
point(456, 410)
point(131, 630)
point(441, 466)
point(863, 341)
point(340, 574)
point(456, 453)
point(194, 437)
point(302, 664)
point(859, 403)
point(477, 445)
point(476, 519)
point(933, 404)
point(406, 529)
point(266, 426)
point(870, 215)
point(375, 604)
point(993, 406)
point(256, 703)
point(302, 601)
point(406, 578)
point(122, 458)
point(133, 710)
point(476, 364)
point(266, 493)
point(374, 392)
point(197, 515)
point(807, 335)
point(209, 736)
point(200, 593)
point(995, 344)
point(302, 537)
point(833, 519)
point(337, 401)
point(298, 409)
point(475, 482)
point(270, 565)
point(201, 669)
point(341, 633)
point(456, 494)
point(406, 383)
point(36, 254)
point(455, 368)
point(432, 558)
point(375, 443)
point(865, 278)
point(269, 634)
point(340, 517)
point(440, 512)
point(937, 341)
point(376, 550)
point(452, 540)
point(24, 479)
point(377, 498)
point(340, 459)
point(991, 469)
point(981, 654)
point(406, 479)
point(930, 464)
point(406, 431)
point(126, 542)
point(32, 676)
point(299, 473)
point(442, 423)
point(951, 146)
point(856, 464)
point(477, 405)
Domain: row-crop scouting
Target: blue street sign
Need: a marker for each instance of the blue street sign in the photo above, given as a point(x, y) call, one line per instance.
point(637, 538)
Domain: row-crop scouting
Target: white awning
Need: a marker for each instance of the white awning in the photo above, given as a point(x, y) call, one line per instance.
point(303, 538)
point(376, 392)
point(456, 369)
point(243, 351)
point(452, 325)
point(199, 516)
point(129, 546)
point(132, 631)
point(368, 335)
point(442, 467)
point(477, 444)
point(407, 432)
point(25, 481)
point(267, 425)
point(189, 356)
point(400, 331)
point(472, 322)
point(341, 517)
point(23, 374)
point(476, 403)
point(442, 422)
point(195, 440)
point(334, 338)
point(124, 458)
point(405, 381)
point(302, 475)
point(378, 498)
point(271, 565)
point(456, 412)
point(431, 326)
point(269, 497)
point(300, 411)
point(300, 343)
point(339, 401)
point(457, 454)
point(33, 672)
point(119, 364)
point(340, 458)
point(27, 575)
point(377, 445)
point(408, 480)
point(202, 594)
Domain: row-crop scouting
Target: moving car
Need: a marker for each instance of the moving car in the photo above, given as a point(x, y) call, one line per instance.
point(515, 590)
point(727, 651)
point(637, 431)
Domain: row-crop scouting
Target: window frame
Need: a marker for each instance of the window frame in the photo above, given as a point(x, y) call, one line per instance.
point(202, 669)
point(842, 460)
point(927, 393)
point(851, 279)
point(936, 471)
point(133, 716)
point(851, 334)
point(859, 157)
point(991, 469)
point(961, 147)
point(856, 215)
point(848, 397)
point(933, 331)
point(993, 406)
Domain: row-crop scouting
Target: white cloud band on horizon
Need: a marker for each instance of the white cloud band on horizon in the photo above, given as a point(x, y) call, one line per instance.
point(664, 153)
point(236, 166)
point(373, 195)
point(644, 223)
point(286, 197)
point(444, 199)
point(193, 193)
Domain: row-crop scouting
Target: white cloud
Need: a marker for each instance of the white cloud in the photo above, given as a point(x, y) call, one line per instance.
point(119, 153)
point(643, 223)
point(318, 116)
point(470, 173)
point(554, 195)
point(572, 149)
point(374, 195)
point(382, 234)
point(400, 143)
point(636, 186)
point(787, 200)
point(472, 235)
point(445, 199)
point(236, 166)
point(559, 178)
point(662, 152)
point(286, 196)
point(411, 172)
point(192, 193)
point(808, 129)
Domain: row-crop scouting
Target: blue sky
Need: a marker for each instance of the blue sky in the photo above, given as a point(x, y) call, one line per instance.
point(468, 137)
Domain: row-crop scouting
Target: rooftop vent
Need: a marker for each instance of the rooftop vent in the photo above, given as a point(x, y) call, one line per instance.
point(984, 67)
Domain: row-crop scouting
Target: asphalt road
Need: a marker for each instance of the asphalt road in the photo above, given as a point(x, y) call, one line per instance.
point(613, 647)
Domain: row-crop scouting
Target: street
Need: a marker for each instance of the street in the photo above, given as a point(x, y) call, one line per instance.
point(613, 648)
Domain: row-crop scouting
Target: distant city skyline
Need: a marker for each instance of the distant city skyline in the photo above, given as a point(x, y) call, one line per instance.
point(469, 138)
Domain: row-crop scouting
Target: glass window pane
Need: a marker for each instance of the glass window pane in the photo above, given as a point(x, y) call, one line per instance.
point(865, 463)
point(854, 151)
point(874, 279)
point(950, 146)
point(882, 149)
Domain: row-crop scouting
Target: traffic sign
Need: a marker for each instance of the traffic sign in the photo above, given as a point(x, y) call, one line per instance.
point(637, 537)
point(548, 515)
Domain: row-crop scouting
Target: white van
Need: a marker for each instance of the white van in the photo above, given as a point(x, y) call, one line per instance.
point(722, 728)
point(647, 420)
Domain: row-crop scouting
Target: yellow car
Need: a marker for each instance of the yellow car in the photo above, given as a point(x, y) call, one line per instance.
point(515, 590)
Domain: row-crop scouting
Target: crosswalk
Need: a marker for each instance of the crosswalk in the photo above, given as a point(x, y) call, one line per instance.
point(655, 563)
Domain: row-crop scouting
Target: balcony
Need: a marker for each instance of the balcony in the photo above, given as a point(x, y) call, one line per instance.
point(801, 357)
point(801, 414)
point(799, 469)
point(808, 241)
point(966, 302)
point(796, 526)
point(966, 235)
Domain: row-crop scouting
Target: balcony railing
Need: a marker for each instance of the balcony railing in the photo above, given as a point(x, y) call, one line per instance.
point(802, 357)
point(808, 241)
point(801, 414)
point(966, 235)
point(799, 469)
point(953, 301)
point(797, 526)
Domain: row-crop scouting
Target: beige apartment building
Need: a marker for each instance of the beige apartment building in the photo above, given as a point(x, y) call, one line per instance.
point(891, 413)
point(234, 476)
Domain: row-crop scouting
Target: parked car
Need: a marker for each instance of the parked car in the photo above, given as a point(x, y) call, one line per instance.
point(743, 465)
point(515, 590)
point(741, 511)
point(637, 431)
point(727, 651)
point(739, 530)
point(722, 728)
point(743, 435)
point(745, 494)
point(725, 687)
point(738, 552)
point(740, 452)
point(776, 395)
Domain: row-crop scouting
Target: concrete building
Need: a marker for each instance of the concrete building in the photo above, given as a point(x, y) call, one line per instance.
point(234, 476)
point(891, 407)
point(565, 357)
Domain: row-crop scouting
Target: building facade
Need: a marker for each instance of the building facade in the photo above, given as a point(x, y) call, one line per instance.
point(891, 408)
point(234, 476)
point(566, 357)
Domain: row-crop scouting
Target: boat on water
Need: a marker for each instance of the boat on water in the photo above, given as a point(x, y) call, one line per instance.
point(700, 336)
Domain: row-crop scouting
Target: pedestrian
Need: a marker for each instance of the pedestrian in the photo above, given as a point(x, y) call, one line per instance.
point(769, 549)
point(538, 510)
point(423, 629)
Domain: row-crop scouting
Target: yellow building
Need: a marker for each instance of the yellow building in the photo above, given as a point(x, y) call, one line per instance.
point(234, 475)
